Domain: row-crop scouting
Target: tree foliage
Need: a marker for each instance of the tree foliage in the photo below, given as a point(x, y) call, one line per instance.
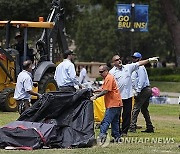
point(98, 34)
point(92, 24)
point(173, 24)
point(24, 9)
point(156, 42)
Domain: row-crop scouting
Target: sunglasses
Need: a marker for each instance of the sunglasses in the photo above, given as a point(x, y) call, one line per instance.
point(101, 71)
point(117, 59)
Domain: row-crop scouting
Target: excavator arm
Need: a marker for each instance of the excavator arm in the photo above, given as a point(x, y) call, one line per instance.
point(49, 39)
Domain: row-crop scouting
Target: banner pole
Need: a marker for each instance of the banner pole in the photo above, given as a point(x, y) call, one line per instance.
point(132, 27)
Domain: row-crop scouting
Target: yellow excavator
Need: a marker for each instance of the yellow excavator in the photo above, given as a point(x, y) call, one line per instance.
point(48, 50)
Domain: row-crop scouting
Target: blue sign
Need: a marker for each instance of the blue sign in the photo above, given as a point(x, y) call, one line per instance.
point(138, 15)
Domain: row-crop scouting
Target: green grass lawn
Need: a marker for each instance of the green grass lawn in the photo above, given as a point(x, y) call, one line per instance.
point(165, 140)
point(167, 86)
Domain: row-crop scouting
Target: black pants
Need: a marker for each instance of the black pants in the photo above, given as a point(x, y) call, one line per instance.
point(142, 103)
point(67, 89)
point(126, 114)
point(22, 105)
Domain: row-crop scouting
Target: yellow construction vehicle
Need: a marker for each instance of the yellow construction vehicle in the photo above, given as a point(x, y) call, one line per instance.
point(49, 48)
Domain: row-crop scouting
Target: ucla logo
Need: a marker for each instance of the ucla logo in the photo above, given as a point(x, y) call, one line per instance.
point(124, 10)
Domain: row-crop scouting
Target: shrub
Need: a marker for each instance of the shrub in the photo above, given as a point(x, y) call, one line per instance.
point(166, 78)
point(164, 74)
point(163, 71)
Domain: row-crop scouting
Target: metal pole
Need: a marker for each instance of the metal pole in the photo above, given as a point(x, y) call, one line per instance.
point(132, 27)
point(25, 44)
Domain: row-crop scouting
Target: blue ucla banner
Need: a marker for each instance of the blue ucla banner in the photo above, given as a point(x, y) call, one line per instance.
point(138, 16)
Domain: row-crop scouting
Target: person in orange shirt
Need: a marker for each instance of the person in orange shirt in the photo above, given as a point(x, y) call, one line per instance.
point(113, 104)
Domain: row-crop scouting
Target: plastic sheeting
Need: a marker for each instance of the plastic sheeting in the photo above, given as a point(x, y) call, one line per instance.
point(71, 113)
point(99, 109)
point(20, 138)
point(47, 132)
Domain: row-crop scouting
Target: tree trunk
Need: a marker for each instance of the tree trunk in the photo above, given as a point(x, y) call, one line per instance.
point(173, 25)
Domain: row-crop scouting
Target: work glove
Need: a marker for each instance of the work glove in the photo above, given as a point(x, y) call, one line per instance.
point(153, 59)
point(93, 98)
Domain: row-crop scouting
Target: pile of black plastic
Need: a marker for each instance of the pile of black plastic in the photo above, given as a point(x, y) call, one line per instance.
point(57, 120)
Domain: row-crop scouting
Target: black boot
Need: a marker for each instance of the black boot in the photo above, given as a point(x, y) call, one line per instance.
point(148, 130)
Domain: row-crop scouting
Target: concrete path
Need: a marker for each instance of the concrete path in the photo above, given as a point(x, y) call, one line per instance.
point(170, 94)
point(167, 98)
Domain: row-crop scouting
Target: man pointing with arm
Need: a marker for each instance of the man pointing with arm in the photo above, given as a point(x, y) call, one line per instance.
point(122, 74)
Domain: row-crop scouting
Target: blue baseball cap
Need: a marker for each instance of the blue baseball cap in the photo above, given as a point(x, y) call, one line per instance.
point(137, 55)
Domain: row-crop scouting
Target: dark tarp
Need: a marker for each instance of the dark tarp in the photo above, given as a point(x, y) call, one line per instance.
point(46, 131)
point(22, 138)
point(71, 115)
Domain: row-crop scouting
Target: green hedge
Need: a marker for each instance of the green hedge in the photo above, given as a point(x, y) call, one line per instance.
point(163, 71)
point(164, 74)
point(166, 78)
